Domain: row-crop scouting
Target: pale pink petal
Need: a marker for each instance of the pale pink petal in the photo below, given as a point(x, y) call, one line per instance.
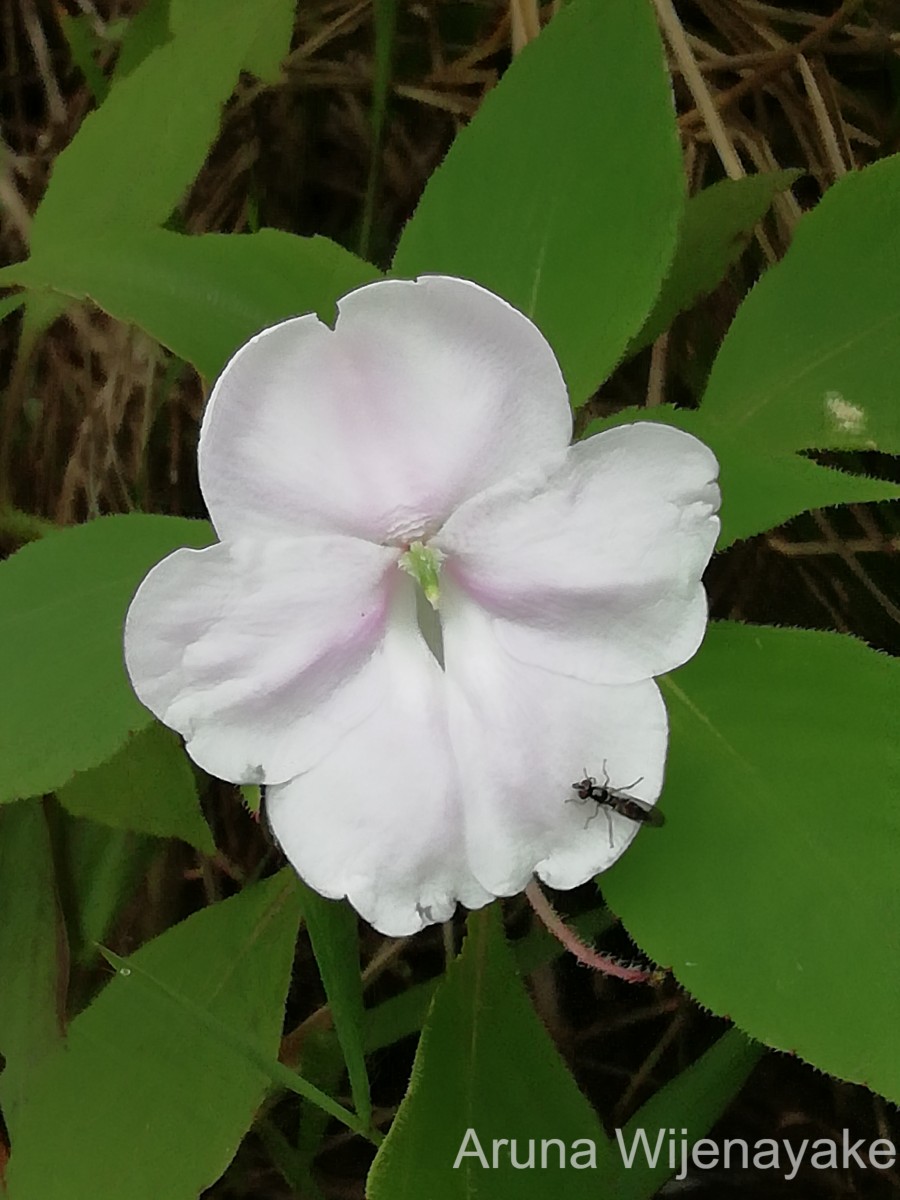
point(596, 572)
point(379, 818)
point(522, 736)
point(259, 653)
point(423, 394)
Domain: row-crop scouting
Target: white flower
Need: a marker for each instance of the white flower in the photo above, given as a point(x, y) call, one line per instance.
point(416, 758)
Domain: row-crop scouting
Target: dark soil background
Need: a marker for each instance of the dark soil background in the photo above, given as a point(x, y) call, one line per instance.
point(116, 430)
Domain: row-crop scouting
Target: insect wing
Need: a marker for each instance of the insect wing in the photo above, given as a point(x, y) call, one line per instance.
point(638, 810)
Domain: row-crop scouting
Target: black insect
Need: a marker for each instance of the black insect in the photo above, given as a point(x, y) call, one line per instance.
point(615, 800)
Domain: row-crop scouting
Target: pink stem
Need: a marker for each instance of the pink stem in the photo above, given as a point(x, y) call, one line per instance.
point(575, 946)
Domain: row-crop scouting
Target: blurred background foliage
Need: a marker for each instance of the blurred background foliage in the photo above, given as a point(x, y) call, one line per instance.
point(97, 418)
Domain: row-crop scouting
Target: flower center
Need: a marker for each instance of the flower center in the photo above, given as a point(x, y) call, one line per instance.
point(424, 564)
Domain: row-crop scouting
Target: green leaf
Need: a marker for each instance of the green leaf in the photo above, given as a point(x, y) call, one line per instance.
point(486, 1063)
point(83, 43)
point(144, 1101)
point(474, 1070)
point(270, 45)
point(264, 51)
point(772, 892)
point(334, 935)
point(132, 160)
point(67, 704)
point(693, 1101)
point(203, 297)
point(760, 489)
point(100, 869)
point(10, 304)
point(286, 1159)
point(147, 787)
point(147, 30)
point(251, 795)
point(404, 1014)
point(278, 1075)
point(34, 963)
point(813, 355)
point(809, 363)
point(564, 193)
point(323, 1065)
point(716, 227)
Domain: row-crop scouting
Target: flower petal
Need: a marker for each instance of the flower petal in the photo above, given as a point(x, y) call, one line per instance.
point(378, 819)
point(422, 395)
point(259, 653)
point(596, 572)
point(522, 736)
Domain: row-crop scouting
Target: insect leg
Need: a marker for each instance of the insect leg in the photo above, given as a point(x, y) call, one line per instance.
point(584, 800)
